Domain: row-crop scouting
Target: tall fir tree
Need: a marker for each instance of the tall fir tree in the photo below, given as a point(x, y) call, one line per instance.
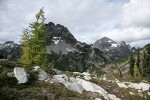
point(138, 63)
point(146, 61)
point(132, 61)
point(143, 62)
point(36, 43)
point(136, 71)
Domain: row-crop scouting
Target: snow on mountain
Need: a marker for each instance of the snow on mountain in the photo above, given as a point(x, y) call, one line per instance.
point(112, 48)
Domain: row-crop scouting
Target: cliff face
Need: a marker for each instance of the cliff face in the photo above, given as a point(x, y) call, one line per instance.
point(55, 32)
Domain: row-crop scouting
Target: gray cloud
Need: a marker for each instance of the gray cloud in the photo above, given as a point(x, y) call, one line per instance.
point(87, 20)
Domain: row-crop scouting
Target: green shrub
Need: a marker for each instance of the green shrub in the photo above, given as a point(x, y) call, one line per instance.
point(99, 72)
point(8, 64)
point(8, 94)
point(5, 80)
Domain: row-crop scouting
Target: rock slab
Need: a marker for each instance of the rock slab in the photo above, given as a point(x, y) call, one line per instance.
point(21, 74)
point(43, 76)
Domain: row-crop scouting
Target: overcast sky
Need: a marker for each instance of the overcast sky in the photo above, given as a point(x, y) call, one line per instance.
point(87, 20)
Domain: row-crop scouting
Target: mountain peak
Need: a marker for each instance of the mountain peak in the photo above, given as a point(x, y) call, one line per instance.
point(122, 42)
point(105, 38)
point(9, 42)
point(111, 47)
point(60, 31)
point(104, 43)
point(50, 24)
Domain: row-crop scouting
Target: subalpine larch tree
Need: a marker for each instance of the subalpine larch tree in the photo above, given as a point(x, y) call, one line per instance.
point(38, 39)
point(37, 42)
point(25, 47)
point(132, 62)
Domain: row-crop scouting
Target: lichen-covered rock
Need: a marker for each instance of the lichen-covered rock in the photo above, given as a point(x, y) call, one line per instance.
point(74, 87)
point(70, 83)
point(21, 74)
point(61, 78)
point(144, 86)
point(89, 86)
point(43, 76)
point(57, 71)
point(87, 76)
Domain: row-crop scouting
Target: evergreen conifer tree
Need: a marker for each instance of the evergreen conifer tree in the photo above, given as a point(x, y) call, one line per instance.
point(136, 71)
point(132, 61)
point(138, 63)
point(146, 61)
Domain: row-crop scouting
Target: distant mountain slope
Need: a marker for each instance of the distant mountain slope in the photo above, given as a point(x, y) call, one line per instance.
point(66, 53)
point(123, 63)
point(112, 48)
point(9, 50)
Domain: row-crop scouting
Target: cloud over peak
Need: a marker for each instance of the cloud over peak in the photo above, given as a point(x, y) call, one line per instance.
point(88, 20)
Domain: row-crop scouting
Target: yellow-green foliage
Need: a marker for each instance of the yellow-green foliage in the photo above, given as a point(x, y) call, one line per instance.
point(25, 58)
point(33, 42)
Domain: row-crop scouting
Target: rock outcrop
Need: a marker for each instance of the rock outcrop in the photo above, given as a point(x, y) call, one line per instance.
point(21, 74)
point(43, 76)
point(79, 85)
point(61, 78)
point(57, 71)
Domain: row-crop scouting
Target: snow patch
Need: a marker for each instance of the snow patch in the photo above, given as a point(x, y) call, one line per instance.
point(114, 45)
point(56, 41)
point(69, 50)
point(110, 41)
point(56, 38)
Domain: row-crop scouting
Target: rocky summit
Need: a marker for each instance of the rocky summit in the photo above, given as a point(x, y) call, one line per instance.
point(111, 48)
point(9, 50)
point(56, 32)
